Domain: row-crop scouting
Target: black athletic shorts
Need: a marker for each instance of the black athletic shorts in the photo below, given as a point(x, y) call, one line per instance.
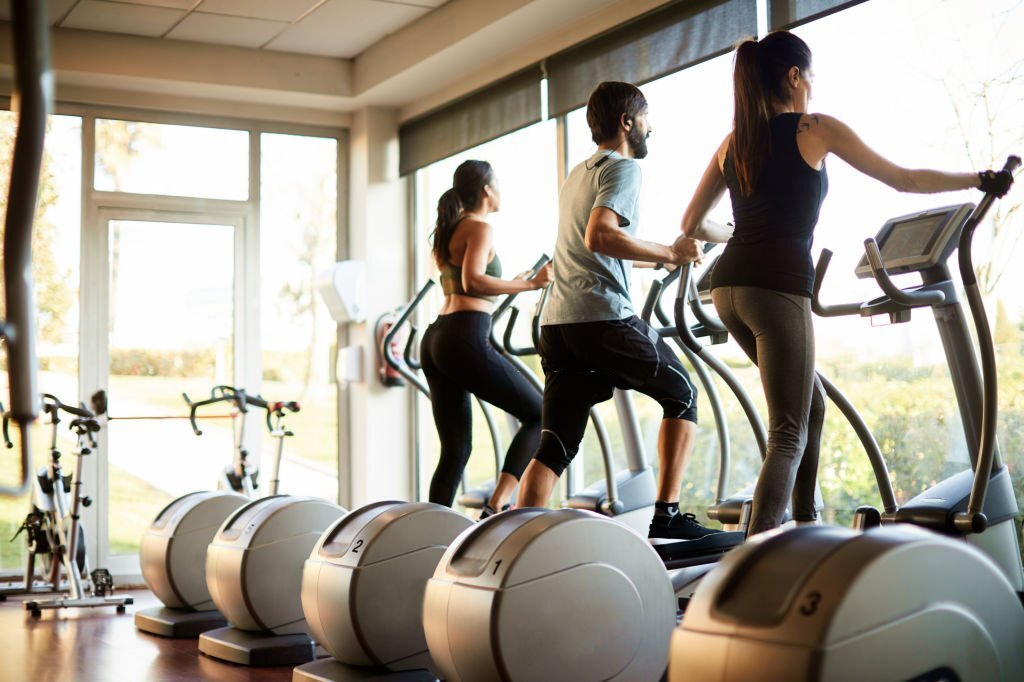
point(583, 364)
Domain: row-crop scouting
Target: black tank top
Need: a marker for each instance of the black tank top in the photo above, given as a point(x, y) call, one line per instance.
point(771, 244)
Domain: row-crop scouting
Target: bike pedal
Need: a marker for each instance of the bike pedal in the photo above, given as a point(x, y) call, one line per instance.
point(102, 582)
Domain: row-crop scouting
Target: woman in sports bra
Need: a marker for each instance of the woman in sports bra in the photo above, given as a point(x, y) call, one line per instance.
point(457, 356)
point(773, 165)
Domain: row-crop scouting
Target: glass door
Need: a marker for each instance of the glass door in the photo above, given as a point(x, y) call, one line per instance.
point(171, 322)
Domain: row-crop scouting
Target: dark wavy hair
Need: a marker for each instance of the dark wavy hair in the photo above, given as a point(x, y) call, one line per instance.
point(468, 182)
point(759, 81)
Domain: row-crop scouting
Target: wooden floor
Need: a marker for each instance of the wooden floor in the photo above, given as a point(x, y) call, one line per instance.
point(98, 645)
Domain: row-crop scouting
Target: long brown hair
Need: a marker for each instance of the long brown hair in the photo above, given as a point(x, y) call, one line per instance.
point(759, 81)
point(468, 182)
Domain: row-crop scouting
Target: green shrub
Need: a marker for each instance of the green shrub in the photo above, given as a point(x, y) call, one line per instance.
point(161, 363)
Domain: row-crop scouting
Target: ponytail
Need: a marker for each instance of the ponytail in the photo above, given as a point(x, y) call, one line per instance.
point(465, 194)
point(750, 140)
point(759, 82)
point(449, 211)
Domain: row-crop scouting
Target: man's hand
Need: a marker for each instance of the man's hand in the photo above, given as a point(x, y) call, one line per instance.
point(686, 250)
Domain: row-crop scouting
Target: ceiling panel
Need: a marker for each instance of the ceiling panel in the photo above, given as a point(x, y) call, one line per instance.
point(418, 3)
point(344, 28)
point(175, 4)
point(119, 17)
point(221, 29)
point(275, 10)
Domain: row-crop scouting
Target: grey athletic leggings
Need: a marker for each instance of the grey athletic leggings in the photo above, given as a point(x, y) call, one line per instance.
point(774, 329)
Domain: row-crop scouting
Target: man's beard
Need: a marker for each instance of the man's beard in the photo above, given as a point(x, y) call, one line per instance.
point(637, 142)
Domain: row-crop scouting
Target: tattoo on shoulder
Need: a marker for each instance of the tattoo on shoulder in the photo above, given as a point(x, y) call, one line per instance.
point(807, 122)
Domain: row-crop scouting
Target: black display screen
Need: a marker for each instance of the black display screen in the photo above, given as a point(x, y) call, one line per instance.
point(912, 238)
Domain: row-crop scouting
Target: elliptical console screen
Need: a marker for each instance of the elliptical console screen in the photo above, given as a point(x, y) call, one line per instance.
point(911, 238)
point(918, 241)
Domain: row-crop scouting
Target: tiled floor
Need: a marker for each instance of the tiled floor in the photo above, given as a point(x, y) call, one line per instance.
point(100, 645)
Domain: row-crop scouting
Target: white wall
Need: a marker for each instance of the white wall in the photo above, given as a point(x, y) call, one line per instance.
point(379, 420)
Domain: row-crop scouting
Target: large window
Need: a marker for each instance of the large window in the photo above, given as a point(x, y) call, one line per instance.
point(950, 98)
point(944, 103)
point(524, 228)
point(163, 341)
point(177, 300)
point(55, 257)
point(298, 236)
point(177, 160)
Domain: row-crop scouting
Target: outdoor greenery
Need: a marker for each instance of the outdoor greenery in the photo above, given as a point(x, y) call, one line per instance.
point(909, 408)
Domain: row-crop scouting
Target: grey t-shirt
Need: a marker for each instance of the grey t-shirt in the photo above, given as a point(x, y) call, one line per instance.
point(588, 286)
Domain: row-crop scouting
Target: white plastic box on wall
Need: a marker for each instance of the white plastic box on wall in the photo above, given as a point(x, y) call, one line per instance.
point(343, 290)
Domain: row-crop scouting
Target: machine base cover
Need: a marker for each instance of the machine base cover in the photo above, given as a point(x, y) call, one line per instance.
point(331, 670)
point(168, 622)
point(257, 648)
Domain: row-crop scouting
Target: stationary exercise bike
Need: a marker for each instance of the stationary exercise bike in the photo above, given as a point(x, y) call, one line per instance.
point(53, 529)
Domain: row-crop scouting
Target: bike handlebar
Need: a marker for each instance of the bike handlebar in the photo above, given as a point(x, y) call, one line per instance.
point(220, 394)
point(279, 410)
point(52, 404)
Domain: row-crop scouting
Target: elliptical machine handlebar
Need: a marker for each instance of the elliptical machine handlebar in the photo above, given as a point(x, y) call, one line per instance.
point(654, 294)
point(506, 303)
point(33, 88)
point(830, 310)
point(702, 313)
point(513, 316)
point(409, 354)
point(506, 340)
point(911, 299)
point(973, 519)
point(6, 428)
point(394, 362)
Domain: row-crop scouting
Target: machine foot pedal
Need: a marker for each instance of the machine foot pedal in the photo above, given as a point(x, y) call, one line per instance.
point(709, 545)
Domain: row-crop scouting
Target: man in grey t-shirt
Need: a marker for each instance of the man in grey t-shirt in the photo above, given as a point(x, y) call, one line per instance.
point(591, 339)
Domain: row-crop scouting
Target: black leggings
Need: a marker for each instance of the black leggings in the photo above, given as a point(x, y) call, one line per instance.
point(459, 362)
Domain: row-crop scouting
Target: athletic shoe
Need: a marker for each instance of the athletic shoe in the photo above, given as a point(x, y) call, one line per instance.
point(678, 527)
point(491, 511)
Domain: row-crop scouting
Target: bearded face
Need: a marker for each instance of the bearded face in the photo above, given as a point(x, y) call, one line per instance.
point(638, 134)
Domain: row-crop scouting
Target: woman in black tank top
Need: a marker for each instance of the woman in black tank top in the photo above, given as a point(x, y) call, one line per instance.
point(773, 166)
point(456, 352)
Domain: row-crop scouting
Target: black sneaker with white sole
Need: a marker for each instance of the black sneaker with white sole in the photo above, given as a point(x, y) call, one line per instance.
point(678, 527)
point(682, 536)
